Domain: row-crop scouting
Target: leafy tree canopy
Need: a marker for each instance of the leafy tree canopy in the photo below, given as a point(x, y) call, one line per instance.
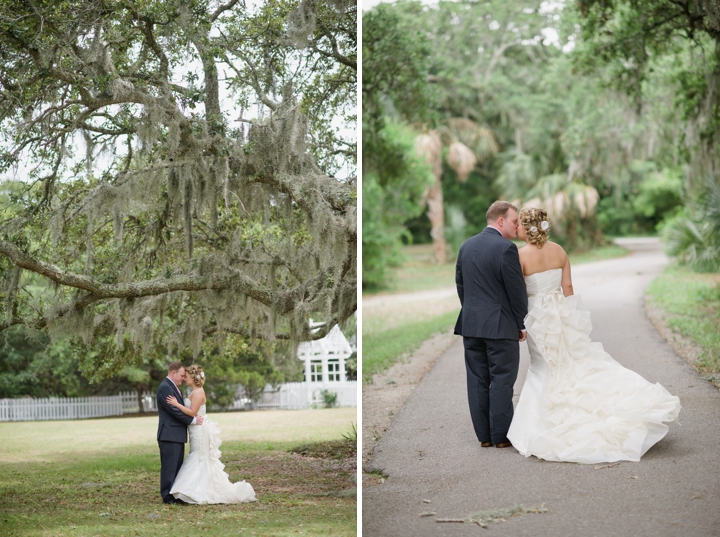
point(168, 184)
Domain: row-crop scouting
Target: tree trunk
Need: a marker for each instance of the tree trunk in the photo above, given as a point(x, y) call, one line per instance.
point(139, 390)
point(436, 214)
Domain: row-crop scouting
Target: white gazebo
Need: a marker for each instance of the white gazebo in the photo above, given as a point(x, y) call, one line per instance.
point(325, 359)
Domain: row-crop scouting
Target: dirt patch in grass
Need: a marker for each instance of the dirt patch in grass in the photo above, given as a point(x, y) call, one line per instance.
point(296, 474)
point(334, 449)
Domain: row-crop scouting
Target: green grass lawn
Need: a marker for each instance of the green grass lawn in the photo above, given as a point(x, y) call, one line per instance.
point(692, 304)
point(382, 349)
point(101, 477)
point(391, 332)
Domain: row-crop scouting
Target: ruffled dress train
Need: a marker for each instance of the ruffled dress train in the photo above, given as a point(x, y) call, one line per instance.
point(202, 478)
point(577, 403)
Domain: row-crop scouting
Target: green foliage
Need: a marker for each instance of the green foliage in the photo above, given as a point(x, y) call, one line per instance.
point(659, 194)
point(351, 369)
point(329, 398)
point(29, 366)
point(395, 70)
point(351, 436)
point(382, 349)
point(472, 198)
point(390, 197)
point(645, 48)
point(691, 303)
point(238, 364)
point(693, 236)
point(160, 182)
point(455, 227)
point(395, 93)
point(641, 199)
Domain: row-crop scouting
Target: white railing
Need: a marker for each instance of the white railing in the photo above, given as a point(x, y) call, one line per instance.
point(294, 395)
point(291, 395)
point(57, 408)
point(130, 402)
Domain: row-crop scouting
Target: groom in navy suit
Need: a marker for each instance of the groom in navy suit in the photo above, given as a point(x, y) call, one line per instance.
point(494, 302)
point(172, 430)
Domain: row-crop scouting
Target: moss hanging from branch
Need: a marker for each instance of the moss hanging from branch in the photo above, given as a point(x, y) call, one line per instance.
point(180, 226)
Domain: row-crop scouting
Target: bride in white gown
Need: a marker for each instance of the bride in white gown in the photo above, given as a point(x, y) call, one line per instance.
point(577, 403)
point(202, 478)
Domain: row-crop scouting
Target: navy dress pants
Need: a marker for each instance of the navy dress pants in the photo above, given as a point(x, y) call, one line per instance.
point(492, 368)
point(171, 459)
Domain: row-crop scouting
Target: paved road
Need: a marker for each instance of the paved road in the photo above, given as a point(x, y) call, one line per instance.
point(430, 452)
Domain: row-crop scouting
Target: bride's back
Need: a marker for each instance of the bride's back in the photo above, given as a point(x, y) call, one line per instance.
point(534, 259)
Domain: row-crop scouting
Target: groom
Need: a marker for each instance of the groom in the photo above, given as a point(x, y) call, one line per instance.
point(494, 302)
point(172, 430)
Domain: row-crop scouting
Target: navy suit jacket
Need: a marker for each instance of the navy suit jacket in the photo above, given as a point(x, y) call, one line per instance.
point(491, 287)
point(173, 423)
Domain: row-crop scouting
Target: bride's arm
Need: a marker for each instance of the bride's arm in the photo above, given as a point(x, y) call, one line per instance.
point(197, 398)
point(567, 285)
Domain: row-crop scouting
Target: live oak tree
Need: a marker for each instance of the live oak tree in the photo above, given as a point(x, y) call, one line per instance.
point(167, 184)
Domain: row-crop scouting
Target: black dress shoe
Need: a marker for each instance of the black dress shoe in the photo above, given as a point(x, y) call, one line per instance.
point(169, 502)
point(181, 502)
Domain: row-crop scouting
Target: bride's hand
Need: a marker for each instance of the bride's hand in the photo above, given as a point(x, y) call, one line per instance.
point(171, 400)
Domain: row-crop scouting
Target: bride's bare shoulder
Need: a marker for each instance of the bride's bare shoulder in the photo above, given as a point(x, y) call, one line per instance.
point(555, 247)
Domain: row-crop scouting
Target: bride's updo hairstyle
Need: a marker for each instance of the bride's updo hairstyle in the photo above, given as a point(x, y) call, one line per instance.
point(536, 226)
point(195, 372)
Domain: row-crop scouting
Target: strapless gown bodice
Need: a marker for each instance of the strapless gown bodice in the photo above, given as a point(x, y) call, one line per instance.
point(544, 282)
point(202, 478)
point(196, 430)
point(577, 403)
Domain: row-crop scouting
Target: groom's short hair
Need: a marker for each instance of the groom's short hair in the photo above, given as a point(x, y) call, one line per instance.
point(175, 366)
point(498, 209)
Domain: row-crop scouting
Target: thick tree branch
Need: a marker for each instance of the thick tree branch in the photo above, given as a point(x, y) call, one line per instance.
point(221, 9)
point(100, 291)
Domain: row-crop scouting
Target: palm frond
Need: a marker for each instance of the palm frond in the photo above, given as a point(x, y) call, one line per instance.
point(480, 140)
point(548, 186)
point(710, 205)
point(429, 146)
point(461, 159)
point(694, 244)
point(517, 175)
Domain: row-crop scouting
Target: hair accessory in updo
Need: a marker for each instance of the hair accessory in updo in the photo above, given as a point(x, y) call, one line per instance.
point(197, 375)
point(536, 226)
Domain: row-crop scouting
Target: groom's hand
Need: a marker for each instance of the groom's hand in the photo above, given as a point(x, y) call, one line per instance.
point(199, 420)
point(523, 335)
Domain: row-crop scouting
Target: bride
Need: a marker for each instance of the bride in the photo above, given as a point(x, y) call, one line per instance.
point(577, 404)
point(202, 478)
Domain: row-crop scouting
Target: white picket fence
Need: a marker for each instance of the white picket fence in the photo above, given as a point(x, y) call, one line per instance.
point(292, 395)
point(296, 395)
point(57, 408)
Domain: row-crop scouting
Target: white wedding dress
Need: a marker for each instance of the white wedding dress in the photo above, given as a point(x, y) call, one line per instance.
point(202, 478)
point(577, 403)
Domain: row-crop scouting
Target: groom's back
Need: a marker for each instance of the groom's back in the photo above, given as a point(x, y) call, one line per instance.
point(483, 265)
